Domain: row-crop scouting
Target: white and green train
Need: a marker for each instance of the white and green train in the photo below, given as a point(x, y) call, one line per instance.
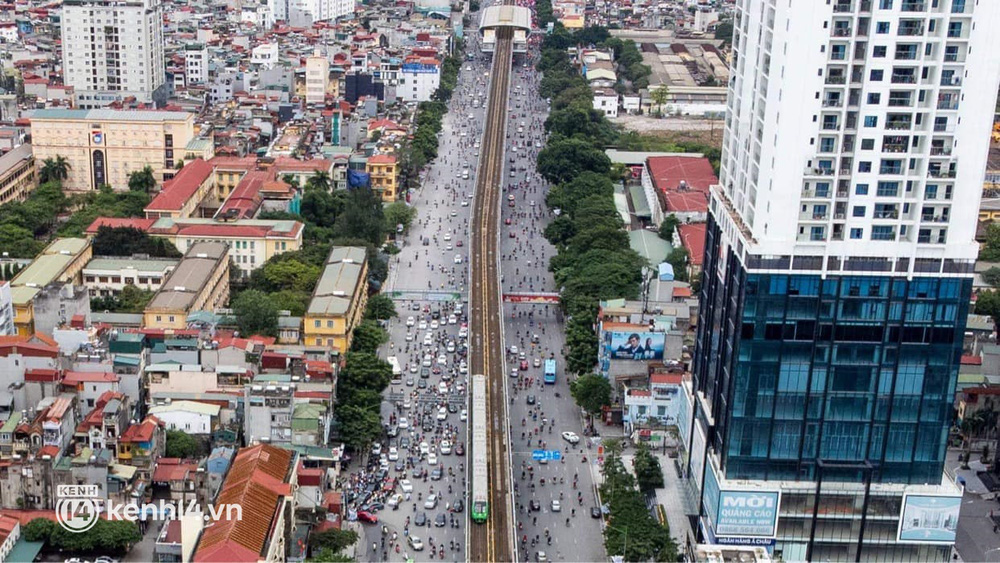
point(480, 476)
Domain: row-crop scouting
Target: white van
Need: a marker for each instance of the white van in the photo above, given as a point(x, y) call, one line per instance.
point(397, 372)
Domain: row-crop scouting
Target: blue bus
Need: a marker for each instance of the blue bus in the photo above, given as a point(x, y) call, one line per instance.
point(550, 371)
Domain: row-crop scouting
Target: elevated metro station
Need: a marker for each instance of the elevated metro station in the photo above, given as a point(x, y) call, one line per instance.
point(496, 17)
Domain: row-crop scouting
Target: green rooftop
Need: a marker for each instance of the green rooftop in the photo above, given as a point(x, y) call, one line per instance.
point(11, 423)
point(649, 245)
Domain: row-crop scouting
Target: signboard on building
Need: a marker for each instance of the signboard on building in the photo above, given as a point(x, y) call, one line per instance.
point(635, 345)
point(929, 519)
point(748, 513)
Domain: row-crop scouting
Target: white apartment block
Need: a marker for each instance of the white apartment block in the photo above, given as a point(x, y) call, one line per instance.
point(306, 12)
point(265, 55)
point(418, 81)
point(317, 78)
point(112, 50)
point(6, 311)
point(196, 63)
point(843, 127)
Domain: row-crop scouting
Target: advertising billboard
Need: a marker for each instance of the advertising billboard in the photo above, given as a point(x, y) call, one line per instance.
point(748, 513)
point(635, 345)
point(928, 519)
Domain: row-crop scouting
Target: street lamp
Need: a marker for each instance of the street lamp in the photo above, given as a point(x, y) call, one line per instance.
point(625, 546)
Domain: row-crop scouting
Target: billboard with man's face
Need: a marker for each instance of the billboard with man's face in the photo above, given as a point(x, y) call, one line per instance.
point(635, 345)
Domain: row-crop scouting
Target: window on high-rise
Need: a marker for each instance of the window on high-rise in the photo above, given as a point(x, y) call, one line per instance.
point(883, 232)
point(955, 29)
point(857, 233)
point(876, 75)
point(882, 27)
point(864, 166)
point(861, 189)
point(874, 98)
point(858, 211)
point(871, 121)
point(885, 4)
point(867, 144)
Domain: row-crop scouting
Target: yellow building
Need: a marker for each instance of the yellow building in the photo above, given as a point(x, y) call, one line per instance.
point(62, 261)
point(383, 170)
point(339, 300)
point(103, 146)
point(200, 282)
point(17, 174)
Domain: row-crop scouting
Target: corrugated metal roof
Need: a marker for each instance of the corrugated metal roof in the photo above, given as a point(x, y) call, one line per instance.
point(338, 282)
point(109, 115)
point(186, 282)
point(138, 264)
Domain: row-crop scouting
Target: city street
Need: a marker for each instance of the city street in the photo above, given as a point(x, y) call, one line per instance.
point(536, 331)
point(429, 279)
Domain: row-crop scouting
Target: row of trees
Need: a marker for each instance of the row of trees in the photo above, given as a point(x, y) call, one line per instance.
point(24, 226)
point(107, 537)
point(364, 377)
point(631, 531)
point(594, 260)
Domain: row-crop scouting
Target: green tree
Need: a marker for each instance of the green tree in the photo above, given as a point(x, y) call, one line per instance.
point(319, 180)
point(660, 96)
point(142, 180)
point(992, 276)
point(182, 445)
point(380, 307)
point(127, 241)
point(326, 555)
point(362, 218)
point(333, 539)
point(293, 301)
point(368, 336)
point(54, 169)
point(678, 258)
point(591, 392)
point(988, 303)
point(990, 251)
point(724, 31)
point(399, 213)
point(39, 529)
point(255, 313)
point(646, 538)
point(291, 274)
point(560, 230)
point(668, 226)
point(18, 242)
point(565, 159)
point(359, 426)
point(648, 473)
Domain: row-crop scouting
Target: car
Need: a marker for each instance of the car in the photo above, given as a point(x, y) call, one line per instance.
point(453, 212)
point(395, 500)
point(534, 505)
point(458, 257)
point(437, 474)
point(510, 197)
point(404, 442)
point(415, 306)
point(463, 368)
point(403, 423)
point(392, 432)
point(457, 506)
point(425, 373)
point(452, 408)
point(450, 347)
point(105, 559)
point(595, 512)
point(447, 236)
point(425, 448)
point(400, 466)
point(459, 449)
point(537, 362)
point(530, 399)
point(524, 365)
point(409, 336)
point(393, 453)
point(556, 505)
point(464, 415)
point(417, 473)
point(410, 382)
point(434, 325)
point(422, 325)
point(571, 437)
point(421, 384)
point(442, 388)
point(521, 356)
point(540, 557)
point(415, 543)
point(432, 459)
point(367, 517)
point(442, 360)
point(442, 412)
point(377, 449)
point(513, 350)
point(420, 519)
point(427, 361)
point(514, 372)
point(441, 521)
point(414, 368)
point(428, 339)
point(463, 331)
point(445, 447)
point(410, 321)
point(465, 203)
point(431, 502)
point(406, 486)
point(452, 319)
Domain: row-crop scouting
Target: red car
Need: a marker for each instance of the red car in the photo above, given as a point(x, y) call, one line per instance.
point(459, 243)
point(368, 517)
point(524, 365)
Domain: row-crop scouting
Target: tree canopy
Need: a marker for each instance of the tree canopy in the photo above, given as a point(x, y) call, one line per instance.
point(565, 159)
point(182, 445)
point(142, 180)
point(128, 241)
point(255, 313)
point(647, 539)
point(591, 392)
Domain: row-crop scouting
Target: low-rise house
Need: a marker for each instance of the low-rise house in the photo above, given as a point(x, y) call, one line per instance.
point(108, 276)
point(184, 478)
point(141, 446)
point(190, 417)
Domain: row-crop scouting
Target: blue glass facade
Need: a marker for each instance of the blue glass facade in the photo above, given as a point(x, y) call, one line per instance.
point(854, 373)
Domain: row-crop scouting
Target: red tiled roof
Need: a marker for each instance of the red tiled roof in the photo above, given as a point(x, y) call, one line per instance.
point(142, 224)
point(173, 469)
point(686, 202)
point(667, 172)
point(182, 187)
point(41, 375)
point(693, 239)
point(256, 481)
point(666, 378)
point(77, 377)
point(382, 159)
point(245, 200)
point(50, 450)
point(141, 432)
point(682, 292)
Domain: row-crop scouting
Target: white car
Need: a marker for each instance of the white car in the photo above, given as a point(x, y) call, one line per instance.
point(452, 319)
point(428, 340)
point(442, 388)
point(434, 325)
point(395, 500)
point(431, 502)
point(422, 325)
point(410, 321)
point(403, 422)
point(406, 486)
point(447, 236)
point(450, 347)
point(393, 454)
point(465, 203)
point(442, 360)
point(463, 368)
point(464, 415)
point(571, 437)
point(409, 337)
point(413, 368)
point(449, 247)
point(432, 459)
point(442, 412)
point(513, 350)
point(406, 402)
point(377, 449)
point(428, 360)
point(463, 332)
point(415, 542)
point(424, 448)
point(537, 362)
point(445, 447)
point(458, 258)
point(556, 506)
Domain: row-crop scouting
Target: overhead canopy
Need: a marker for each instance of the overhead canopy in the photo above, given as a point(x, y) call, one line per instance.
point(506, 16)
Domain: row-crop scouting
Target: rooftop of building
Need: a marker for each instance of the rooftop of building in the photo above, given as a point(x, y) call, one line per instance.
point(91, 115)
point(182, 287)
point(680, 173)
point(14, 157)
point(46, 268)
point(114, 264)
point(338, 282)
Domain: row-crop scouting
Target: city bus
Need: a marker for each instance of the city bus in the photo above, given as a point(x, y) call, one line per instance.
point(550, 371)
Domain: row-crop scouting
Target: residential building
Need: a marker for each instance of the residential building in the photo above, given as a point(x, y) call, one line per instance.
point(108, 276)
point(418, 80)
point(189, 417)
point(200, 282)
point(104, 146)
point(195, 63)
point(7, 327)
point(251, 241)
point(838, 273)
point(90, 386)
point(339, 299)
point(59, 264)
point(260, 480)
point(123, 58)
point(383, 171)
point(18, 177)
point(317, 78)
point(606, 102)
point(10, 533)
point(141, 446)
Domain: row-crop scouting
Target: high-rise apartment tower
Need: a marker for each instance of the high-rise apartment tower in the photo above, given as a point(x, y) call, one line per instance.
point(838, 274)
